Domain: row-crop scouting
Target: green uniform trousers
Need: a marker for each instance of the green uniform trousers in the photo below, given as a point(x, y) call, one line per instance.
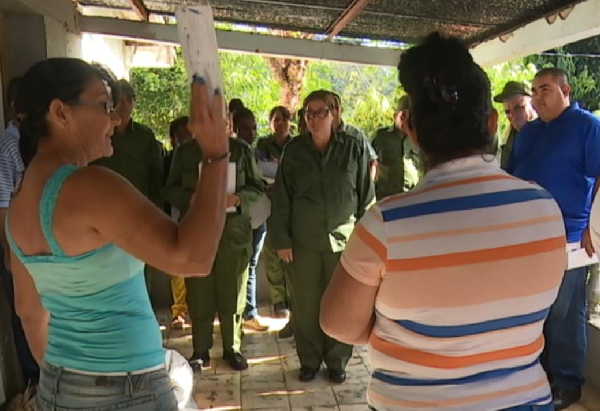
point(223, 292)
point(277, 273)
point(312, 271)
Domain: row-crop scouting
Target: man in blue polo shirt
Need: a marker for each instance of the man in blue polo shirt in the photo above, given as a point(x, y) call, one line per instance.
point(561, 152)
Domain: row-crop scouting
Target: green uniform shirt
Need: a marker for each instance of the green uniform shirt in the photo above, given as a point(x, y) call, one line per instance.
point(267, 148)
point(317, 196)
point(138, 157)
point(507, 148)
point(399, 165)
point(183, 175)
point(357, 132)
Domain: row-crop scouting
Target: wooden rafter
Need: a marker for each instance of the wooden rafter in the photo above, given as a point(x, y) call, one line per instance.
point(349, 14)
point(140, 9)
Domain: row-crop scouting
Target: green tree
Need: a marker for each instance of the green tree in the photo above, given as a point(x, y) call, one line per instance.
point(163, 93)
point(369, 93)
point(583, 72)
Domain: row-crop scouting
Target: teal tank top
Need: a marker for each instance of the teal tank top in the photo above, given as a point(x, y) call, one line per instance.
point(100, 314)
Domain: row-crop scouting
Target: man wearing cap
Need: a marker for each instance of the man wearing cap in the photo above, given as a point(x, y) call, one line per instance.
point(398, 168)
point(519, 111)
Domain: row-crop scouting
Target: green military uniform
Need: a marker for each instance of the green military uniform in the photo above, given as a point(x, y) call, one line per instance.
point(224, 290)
point(357, 132)
point(138, 157)
point(399, 165)
point(267, 149)
point(317, 199)
point(506, 149)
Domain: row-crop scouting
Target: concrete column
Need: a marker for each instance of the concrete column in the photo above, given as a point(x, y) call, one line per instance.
point(108, 51)
point(59, 41)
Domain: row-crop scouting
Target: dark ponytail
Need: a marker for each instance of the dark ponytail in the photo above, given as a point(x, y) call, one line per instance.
point(450, 98)
point(57, 78)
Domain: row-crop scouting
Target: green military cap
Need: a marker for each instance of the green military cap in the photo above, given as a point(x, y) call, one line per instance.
point(511, 89)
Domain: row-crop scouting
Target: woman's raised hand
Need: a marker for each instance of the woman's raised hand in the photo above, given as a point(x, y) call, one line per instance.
point(207, 119)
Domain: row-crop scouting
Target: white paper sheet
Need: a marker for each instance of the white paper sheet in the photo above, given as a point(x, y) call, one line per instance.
point(196, 29)
point(231, 181)
point(577, 257)
point(268, 168)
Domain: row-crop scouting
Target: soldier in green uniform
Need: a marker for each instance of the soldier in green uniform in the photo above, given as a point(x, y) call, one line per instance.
point(398, 168)
point(322, 188)
point(518, 109)
point(223, 292)
point(137, 154)
point(268, 154)
point(139, 157)
point(354, 131)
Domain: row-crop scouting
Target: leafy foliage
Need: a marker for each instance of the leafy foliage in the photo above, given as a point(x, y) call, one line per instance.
point(369, 94)
point(583, 72)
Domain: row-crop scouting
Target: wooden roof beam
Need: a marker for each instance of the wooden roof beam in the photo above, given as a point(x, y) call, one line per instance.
point(140, 9)
point(346, 17)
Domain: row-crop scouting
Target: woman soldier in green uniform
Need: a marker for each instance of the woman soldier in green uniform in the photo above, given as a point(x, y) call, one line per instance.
point(322, 187)
point(224, 291)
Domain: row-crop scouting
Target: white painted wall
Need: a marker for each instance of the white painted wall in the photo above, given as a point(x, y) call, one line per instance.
point(59, 41)
point(109, 51)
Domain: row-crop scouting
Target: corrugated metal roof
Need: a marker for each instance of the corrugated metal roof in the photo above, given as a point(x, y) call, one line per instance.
point(392, 20)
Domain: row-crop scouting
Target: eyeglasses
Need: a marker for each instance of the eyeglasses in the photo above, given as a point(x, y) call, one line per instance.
point(321, 113)
point(108, 106)
point(515, 109)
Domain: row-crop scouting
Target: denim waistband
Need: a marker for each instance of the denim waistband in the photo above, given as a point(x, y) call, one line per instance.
point(56, 379)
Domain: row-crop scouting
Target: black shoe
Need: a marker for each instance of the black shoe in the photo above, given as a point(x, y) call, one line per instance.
point(236, 361)
point(280, 310)
point(336, 376)
point(199, 361)
point(565, 397)
point(287, 331)
point(307, 374)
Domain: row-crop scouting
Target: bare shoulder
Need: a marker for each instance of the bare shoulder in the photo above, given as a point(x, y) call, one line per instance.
point(94, 186)
point(99, 179)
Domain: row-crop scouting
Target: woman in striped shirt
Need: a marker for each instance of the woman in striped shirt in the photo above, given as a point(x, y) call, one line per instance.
point(450, 284)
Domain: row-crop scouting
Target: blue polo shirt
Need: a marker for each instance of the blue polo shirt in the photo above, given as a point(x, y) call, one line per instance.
point(562, 156)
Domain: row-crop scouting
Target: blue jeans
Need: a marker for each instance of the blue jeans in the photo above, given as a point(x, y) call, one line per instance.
point(31, 371)
point(565, 332)
point(258, 240)
point(62, 390)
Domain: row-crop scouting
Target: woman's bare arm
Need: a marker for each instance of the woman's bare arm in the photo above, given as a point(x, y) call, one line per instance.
point(121, 215)
point(348, 308)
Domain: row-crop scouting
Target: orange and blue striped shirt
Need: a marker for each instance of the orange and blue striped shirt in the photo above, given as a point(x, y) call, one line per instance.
point(467, 266)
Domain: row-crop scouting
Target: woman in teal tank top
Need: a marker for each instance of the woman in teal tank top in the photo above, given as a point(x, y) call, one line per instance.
point(80, 235)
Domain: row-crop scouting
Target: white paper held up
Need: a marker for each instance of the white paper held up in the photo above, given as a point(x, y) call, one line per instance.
point(231, 181)
point(579, 258)
point(196, 29)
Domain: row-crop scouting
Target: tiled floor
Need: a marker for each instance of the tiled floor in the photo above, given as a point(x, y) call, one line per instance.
point(271, 382)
